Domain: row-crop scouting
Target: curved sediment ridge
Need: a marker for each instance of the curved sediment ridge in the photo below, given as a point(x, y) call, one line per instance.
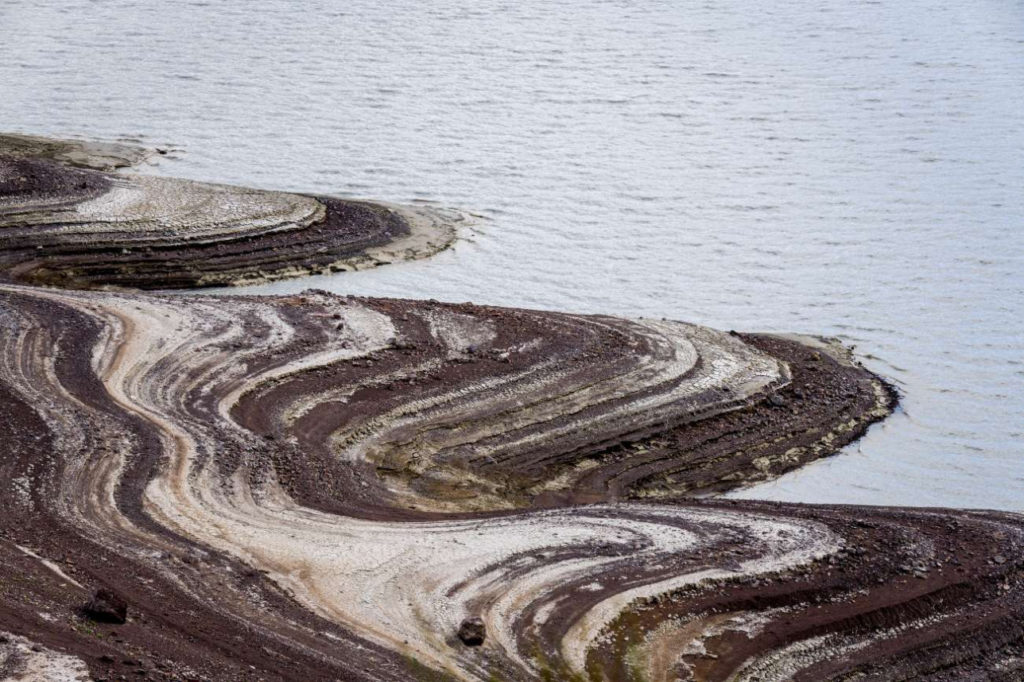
point(324, 487)
point(71, 225)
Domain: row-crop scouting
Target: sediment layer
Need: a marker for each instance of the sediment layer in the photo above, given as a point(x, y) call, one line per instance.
point(321, 487)
point(340, 480)
point(65, 223)
point(102, 156)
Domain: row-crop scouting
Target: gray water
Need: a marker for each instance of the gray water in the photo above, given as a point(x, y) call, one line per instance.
point(851, 168)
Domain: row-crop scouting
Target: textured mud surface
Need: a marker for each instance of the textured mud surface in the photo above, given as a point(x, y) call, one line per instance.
point(65, 223)
point(103, 156)
point(319, 487)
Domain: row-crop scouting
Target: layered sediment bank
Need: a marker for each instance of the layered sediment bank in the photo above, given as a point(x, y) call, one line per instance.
point(326, 487)
point(65, 220)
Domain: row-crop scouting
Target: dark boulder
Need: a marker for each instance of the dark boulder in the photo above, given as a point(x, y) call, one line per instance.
point(107, 607)
point(472, 632)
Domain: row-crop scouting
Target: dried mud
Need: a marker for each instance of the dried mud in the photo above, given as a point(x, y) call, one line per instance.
point(324, 487)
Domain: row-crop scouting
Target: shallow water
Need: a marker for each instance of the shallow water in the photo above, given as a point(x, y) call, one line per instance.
point(845, 168)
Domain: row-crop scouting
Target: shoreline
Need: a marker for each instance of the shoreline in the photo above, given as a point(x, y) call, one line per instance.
point(69, 220)
point(308, 486)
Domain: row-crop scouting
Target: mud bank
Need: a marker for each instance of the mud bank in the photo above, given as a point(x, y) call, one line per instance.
point(324, 487)
point(67, 220)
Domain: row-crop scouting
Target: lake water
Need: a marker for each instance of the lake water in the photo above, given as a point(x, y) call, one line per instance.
point(851, 168)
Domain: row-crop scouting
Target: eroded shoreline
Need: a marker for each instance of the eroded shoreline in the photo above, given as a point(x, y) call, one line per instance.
point(316, 486)
point(67, 220)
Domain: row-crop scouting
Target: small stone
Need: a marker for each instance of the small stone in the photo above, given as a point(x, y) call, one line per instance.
point(776, 400)
point(472, 632)
point(999, 559)
point(107, 607)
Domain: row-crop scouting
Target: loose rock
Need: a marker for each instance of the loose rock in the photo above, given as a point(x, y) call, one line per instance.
point(472, 632)
point(107, 607)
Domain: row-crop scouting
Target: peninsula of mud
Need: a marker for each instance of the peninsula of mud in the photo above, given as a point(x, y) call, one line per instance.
point(323, 487)
point(65, 220)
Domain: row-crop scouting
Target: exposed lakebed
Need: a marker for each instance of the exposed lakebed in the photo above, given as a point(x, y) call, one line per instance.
point(391, 489)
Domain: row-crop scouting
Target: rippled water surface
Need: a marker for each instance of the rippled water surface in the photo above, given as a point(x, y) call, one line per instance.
point(845, 168)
